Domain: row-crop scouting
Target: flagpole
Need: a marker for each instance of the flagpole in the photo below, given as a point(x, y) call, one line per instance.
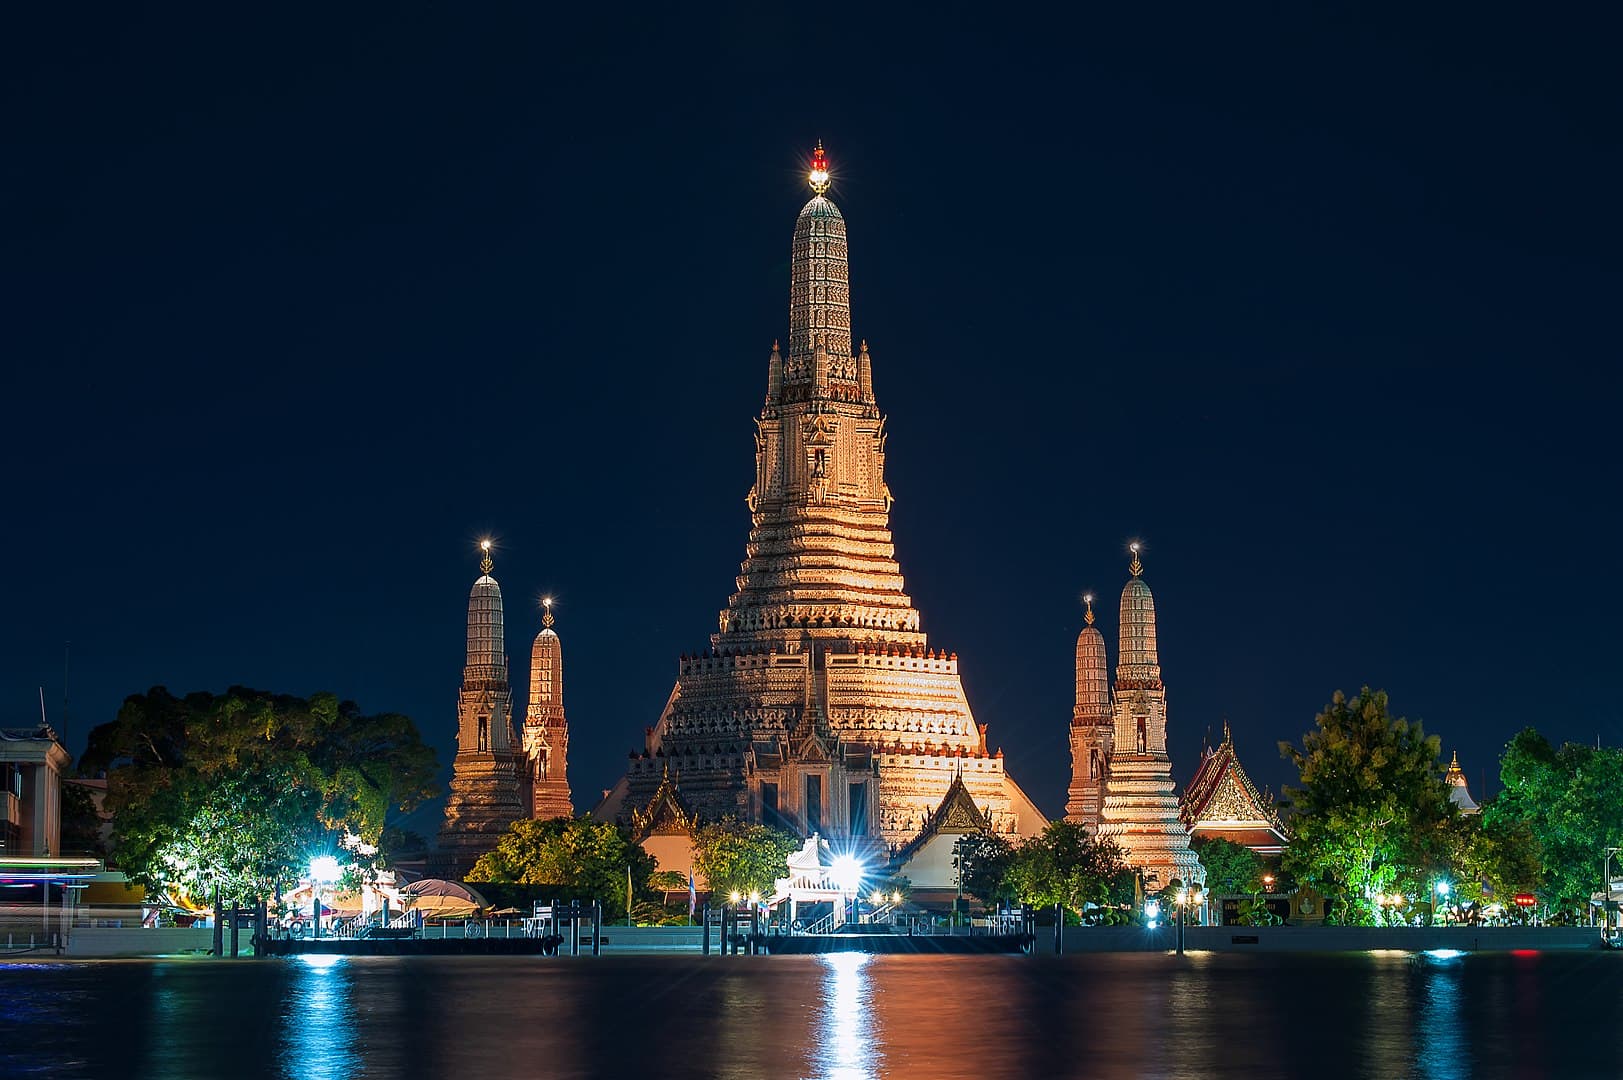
point(628, 894)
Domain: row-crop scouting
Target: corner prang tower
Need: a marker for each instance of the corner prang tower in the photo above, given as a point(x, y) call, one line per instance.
point(546, 732)
point(1092, 727)
point(484, 798)
point(1141, 811)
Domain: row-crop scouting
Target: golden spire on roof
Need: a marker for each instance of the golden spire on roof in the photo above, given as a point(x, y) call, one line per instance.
point(485, 565)
point(546, 619)
point(818, 178)
point(1087, 598)
point(1137, 567)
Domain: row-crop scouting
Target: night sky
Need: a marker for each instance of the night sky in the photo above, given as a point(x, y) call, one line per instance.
point(1323, 307)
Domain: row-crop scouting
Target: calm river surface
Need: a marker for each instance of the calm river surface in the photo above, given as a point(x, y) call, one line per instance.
point(1104, 1015)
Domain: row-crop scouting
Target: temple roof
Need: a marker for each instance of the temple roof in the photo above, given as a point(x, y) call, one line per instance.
point(1458, 793)
point(957, 814)
point(665, 813)
point(1222, 801)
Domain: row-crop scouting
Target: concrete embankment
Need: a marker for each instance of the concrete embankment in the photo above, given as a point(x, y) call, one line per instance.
point(683, 940)
point(1320, 938)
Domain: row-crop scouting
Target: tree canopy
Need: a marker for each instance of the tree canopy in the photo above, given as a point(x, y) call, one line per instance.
point(737, 856)
point(1569, 801)
point(1372, 814)
point(983, 861)
point(588, 858)
point(1231, 869)
point(243, 788)
point(1066, 865)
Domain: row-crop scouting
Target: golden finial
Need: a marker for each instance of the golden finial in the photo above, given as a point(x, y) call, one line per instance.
point(1227, 736)
point(1087, 598)
point(819, 170)
point(546, 619)
point(485, 565)
point(1137, 567)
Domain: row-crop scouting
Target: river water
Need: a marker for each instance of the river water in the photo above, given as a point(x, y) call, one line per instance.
point(1206, 1015)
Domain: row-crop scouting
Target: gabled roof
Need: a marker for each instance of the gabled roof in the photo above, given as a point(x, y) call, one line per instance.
point(1221, 800)
point(957, 814)
point(665, 814)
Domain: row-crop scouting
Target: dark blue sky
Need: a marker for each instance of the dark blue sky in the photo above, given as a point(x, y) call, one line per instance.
point(1323, 306)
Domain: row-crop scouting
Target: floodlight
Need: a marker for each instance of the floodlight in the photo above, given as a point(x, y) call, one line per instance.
point(847, 873)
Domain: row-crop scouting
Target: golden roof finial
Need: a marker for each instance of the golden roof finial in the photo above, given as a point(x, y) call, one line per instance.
point(546, 619)
point(818, 178)
point(1087, 598)
point(485, 565)
point(1227, 736)
point(1137, 567)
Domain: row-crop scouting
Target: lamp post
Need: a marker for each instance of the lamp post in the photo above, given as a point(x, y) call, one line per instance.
point(1442, 891)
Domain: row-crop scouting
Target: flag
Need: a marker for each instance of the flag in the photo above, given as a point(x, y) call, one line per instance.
point(693, 896)
point(628, 894)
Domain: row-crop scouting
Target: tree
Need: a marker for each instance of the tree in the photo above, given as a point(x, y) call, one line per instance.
point(585, 857)
point(983, 861)
point(737, 856)
point(241, 789)
point(1231, 869)
point(1067, 865)
point(1372, 813)
point(1570, 801)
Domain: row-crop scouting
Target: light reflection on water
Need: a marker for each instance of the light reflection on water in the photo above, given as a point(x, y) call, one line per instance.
point(318, 1021)
point(1204, 1016)
point(849, 1049)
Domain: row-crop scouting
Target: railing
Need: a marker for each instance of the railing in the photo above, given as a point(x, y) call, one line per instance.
point(825, 925)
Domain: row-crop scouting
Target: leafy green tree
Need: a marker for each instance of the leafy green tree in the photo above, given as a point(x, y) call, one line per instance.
point(585, 857)
point(1068, 866)
point(1231, 869)
point(241, 789)
point(1571, 803)
point(983, 861)
point(1372, 814)
point(738, 856)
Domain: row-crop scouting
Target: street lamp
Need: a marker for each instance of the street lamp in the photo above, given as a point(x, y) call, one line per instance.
point(1442, 896)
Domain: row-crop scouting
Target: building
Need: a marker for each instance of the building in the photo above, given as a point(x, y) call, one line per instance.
point(1140, 811)
point(820, 705)
point(1222, 803)
point(1093, 727)
point(32, 761)
point(1458, 793)
point(546, 732)
point(486, 773)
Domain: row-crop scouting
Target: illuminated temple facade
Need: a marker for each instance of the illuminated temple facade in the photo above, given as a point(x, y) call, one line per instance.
point(495, 778)
point(1137, 801)
point(820, 705)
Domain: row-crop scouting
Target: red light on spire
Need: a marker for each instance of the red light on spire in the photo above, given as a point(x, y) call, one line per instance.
point(819, 169)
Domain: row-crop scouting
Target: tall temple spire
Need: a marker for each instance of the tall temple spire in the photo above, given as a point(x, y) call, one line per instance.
point(1092, 728)
point(1141, 810)
point(546, 731)
point(484, 797)
point(819, 638)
